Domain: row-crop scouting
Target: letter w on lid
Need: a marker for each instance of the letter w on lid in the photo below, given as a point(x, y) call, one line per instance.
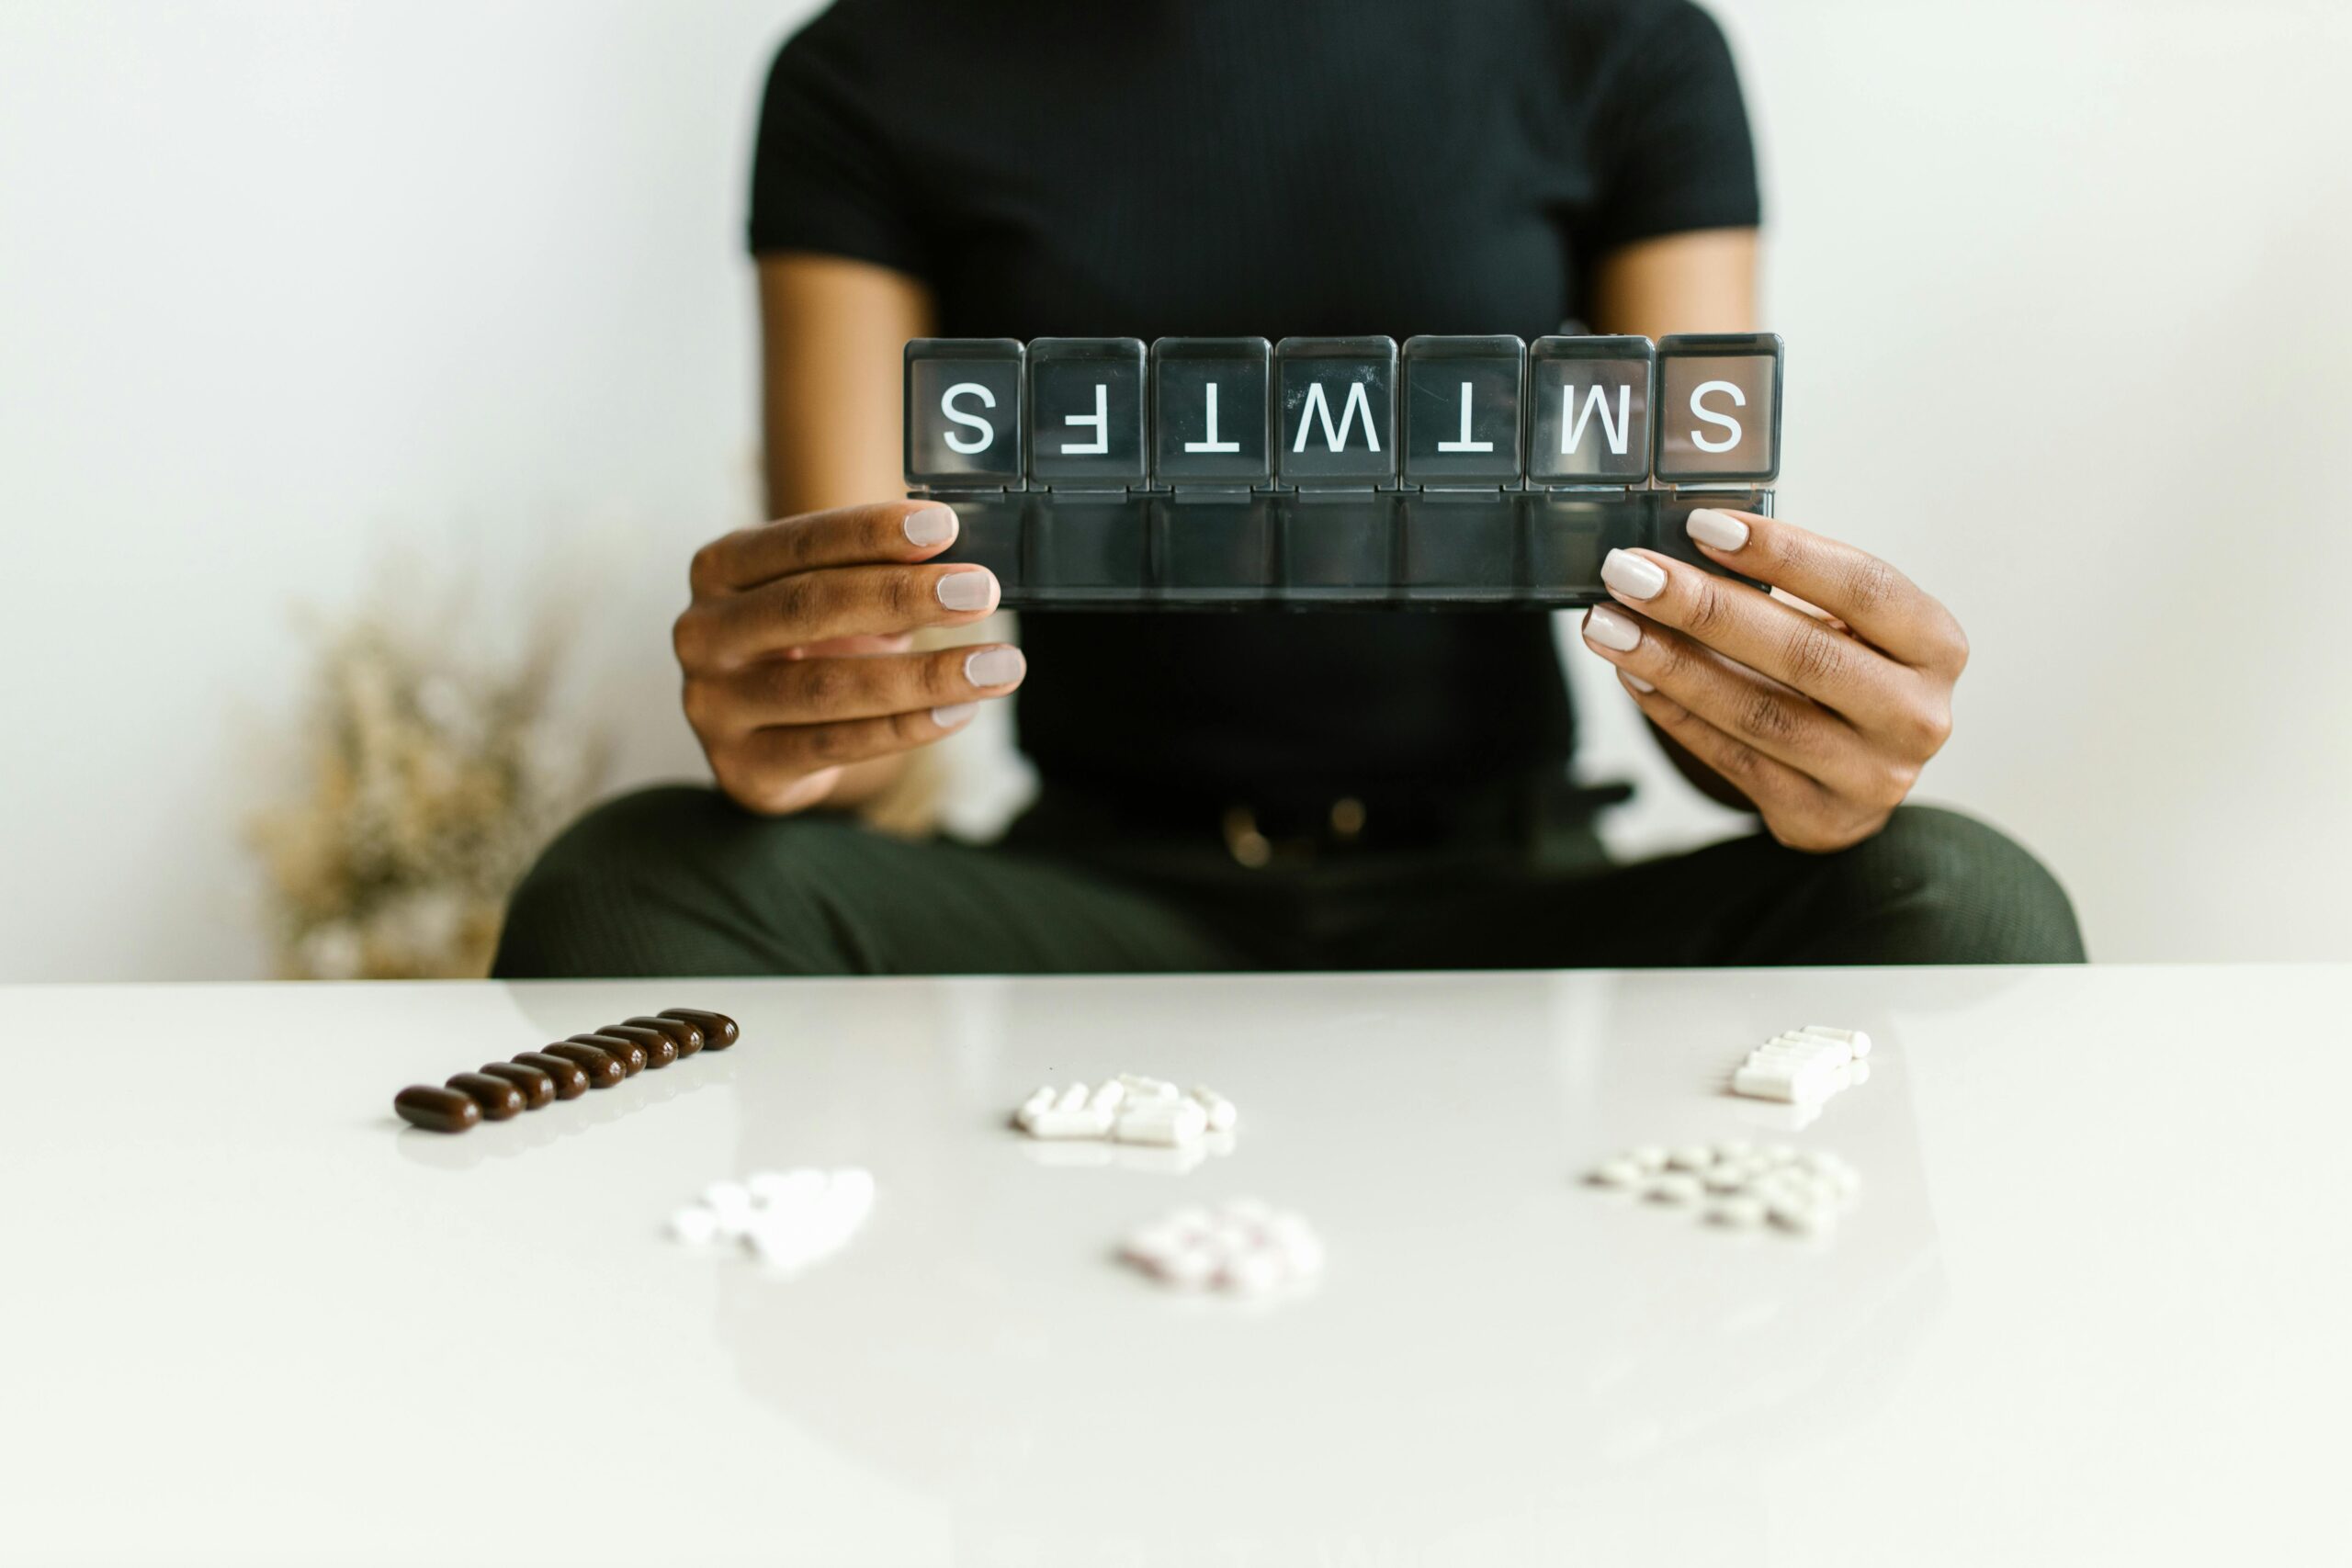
point(964, 414)
point(1339, 410)
point(1718, 406)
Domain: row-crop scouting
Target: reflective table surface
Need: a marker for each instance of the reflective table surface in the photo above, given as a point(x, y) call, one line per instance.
point(2091, 1307)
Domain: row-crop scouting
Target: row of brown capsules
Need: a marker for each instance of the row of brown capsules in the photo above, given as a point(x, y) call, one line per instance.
point(565, 1070)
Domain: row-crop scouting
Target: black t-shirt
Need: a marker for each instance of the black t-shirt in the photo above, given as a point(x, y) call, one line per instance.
point(1258, 167)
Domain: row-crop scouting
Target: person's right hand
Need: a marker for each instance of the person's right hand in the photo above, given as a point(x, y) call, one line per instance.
point(796, 647)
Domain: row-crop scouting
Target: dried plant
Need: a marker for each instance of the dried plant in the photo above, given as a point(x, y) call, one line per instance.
point(434, 774)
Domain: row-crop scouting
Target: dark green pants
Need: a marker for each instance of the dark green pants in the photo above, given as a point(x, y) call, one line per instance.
point(679, 881)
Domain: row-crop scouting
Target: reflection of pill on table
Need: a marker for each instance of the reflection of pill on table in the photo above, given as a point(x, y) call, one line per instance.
point(435, 1109)
point(537, 1087)
point(498, 1099)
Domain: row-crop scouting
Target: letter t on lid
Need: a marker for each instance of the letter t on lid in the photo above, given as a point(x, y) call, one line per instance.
point(1210, 407)
point(964, 414)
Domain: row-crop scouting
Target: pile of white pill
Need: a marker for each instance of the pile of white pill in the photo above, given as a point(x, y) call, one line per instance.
point(1246, 1248)
point(790, 1219)
point(1738, 1186)
point(1128, 1110)
point(1804, 1066)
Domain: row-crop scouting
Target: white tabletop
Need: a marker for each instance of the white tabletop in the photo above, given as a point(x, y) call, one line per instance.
point(2092, 1306)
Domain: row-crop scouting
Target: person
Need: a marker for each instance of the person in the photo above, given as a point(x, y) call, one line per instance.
point(1276, 790)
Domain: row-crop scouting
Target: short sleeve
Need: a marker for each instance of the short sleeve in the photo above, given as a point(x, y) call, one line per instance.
point(1670, 139)
point(823, 176)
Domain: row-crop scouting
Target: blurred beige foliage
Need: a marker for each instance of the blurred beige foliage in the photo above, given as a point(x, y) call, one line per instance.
point(430, 775)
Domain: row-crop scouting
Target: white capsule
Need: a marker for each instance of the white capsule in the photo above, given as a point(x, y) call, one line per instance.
point(1738, 1211)
point(1058, 1123)
point(1861, 1071)
point(1155, 1242)
point(1853, 1040)
point(1223, 1117)
point(1105, 1100)
point(695, 1224)
point(1142, 1088)
point(1823, 1053)
point(1692, 1157)
point(1675, 1187)
point(1734, 1148)
point(1178, 1121)
point(1071, 1098)
point(1614, 1173)
point(1039, 1102)
point(1647, 1158)
point(1727, 1178)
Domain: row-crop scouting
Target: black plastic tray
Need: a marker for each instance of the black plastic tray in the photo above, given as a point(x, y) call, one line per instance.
point(1291, 550)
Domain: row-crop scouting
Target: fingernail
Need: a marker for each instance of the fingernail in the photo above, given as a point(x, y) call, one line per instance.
point(953, 714)
point(1611, 627)
point(932, 526)
point(1718, 530)
point(1632, 574)
point(995, 667)
point(1636, 681)
point(968, 589)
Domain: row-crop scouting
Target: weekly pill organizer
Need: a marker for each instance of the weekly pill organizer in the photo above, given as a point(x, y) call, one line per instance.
point(1231, 473)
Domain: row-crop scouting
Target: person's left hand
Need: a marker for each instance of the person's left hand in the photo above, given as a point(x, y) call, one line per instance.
point(1822, 721)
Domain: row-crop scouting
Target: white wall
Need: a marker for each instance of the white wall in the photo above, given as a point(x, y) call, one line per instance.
point(288, 289)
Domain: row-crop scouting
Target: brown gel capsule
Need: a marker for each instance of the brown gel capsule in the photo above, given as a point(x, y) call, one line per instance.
point(604, 1070)
point(684, 1035)
point(627, 1053)
point(537, 1088)
point(498, 1099)
point(719, 1031)
point(659, 1049)
point(437, 1109)
point(570, 1077)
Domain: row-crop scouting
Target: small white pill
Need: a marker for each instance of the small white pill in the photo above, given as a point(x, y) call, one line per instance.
point(1805, 1219)
point(1727, 1178)
point(1188, 1268)
point(726, 1195)
point(1734, 1148)
point(1693, 1156)
point(1040, 1100)
point(1106, 1097)
point(1647, 1156)
point(1142, 1088)
point(1058, 1123)
point(1861, 1074)
point(1071, 1098)
point(1675, 1187)
point(1615, 1173)
point(1854, 1039)
point(694, 1224)
point(1739, 1211)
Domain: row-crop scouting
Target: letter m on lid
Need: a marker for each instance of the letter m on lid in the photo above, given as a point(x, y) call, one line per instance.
point(1718, 408)
point(964, 414)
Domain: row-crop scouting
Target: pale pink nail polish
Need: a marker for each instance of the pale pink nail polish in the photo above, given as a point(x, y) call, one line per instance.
point(1611, 628)
point(1637, 577)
